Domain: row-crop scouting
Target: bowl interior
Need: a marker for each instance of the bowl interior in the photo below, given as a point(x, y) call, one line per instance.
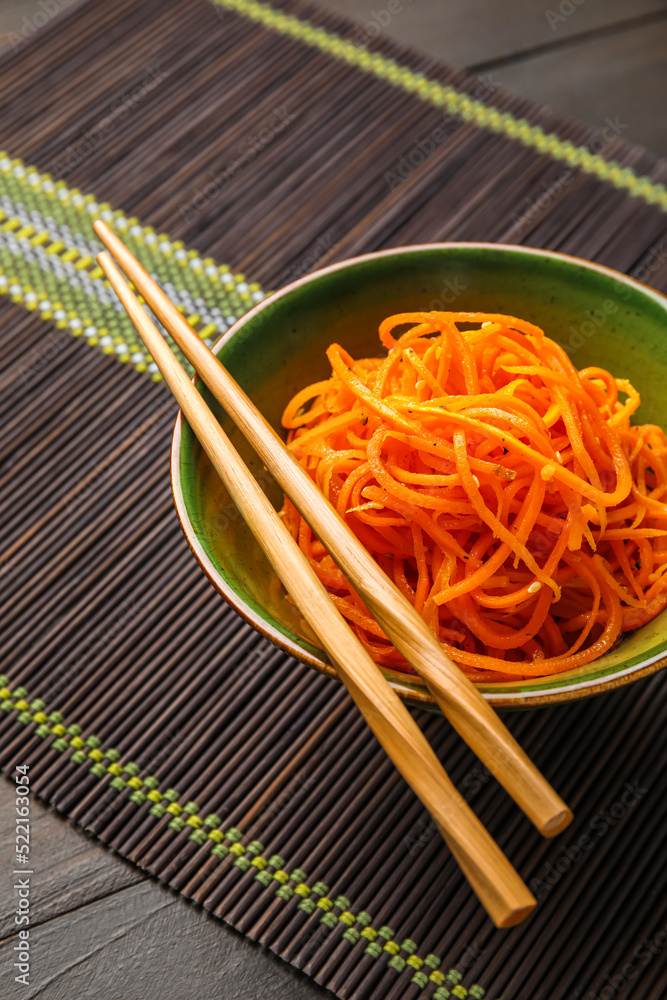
point(600, 317)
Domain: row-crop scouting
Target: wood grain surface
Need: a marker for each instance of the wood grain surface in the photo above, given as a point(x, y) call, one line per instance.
point(598, 59)
point(102, 930)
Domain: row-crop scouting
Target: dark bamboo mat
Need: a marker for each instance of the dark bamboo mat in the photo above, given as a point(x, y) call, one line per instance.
point(113, 638)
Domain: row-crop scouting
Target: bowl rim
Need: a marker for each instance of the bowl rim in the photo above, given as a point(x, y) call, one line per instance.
point(410, 690)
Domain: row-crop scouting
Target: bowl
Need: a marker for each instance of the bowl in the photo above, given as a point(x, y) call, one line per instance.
point(600, 316)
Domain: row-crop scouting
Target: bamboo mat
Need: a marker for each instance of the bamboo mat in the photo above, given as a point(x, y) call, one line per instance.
point(147, 710)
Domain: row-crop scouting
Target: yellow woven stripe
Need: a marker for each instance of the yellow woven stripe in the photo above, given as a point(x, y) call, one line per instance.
point(47, 263)
point(454, 101)
point(12, 699)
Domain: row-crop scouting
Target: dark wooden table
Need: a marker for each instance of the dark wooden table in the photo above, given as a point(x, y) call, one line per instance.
point(102, 930)
point(597, 59)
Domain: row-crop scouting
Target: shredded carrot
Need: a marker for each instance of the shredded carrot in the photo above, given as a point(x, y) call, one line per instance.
point(506, 493)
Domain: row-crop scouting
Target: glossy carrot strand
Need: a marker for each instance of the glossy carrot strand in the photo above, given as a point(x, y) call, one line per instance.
point(506, 493)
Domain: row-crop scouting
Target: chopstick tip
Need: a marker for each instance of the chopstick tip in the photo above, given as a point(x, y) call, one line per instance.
point(100, 228)
point(105, 261)
point(557, 823)
point(516, 915)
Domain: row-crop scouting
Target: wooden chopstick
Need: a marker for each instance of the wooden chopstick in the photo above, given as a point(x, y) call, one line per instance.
point(491, 875)
point(469, 713)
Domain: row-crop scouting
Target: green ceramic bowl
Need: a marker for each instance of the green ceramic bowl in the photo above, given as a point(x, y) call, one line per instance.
point(600, 316)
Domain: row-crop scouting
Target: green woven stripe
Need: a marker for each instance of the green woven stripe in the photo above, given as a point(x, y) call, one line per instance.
point(454, 101)
point(47, 263)
point(106, 765)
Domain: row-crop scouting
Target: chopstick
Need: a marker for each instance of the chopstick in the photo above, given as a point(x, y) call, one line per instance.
point(497, 884)
point(459, 700)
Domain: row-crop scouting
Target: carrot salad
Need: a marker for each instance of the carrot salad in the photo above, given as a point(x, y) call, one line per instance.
point(505, 492)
